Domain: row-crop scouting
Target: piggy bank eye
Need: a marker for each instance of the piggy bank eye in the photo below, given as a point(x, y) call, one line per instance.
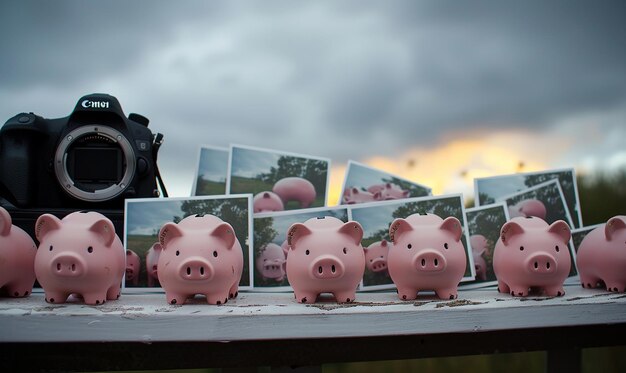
point(345, 250)
point(445, 245)
point(409, 246)
point(371, 260)
point(50, 247)
point(521, 248)
point(307, 252)
point(557, 248)
point(177, 253)
point(215, 254)
point(90, 249)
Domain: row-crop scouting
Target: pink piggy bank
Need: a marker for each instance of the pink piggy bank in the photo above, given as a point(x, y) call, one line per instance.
point(427, 255)
point(295, 189)
point(133, 267)
point(531, 253)
point(528, 208)
point(602, 256)
point(376, 256)
point(80, 254)
point(271, 262)
point(391, 191)
point(201, 255)
point(325, 256)
point(478, 242)
point(353, 195)
point(267, 202)
point(17, 258)
point(152, 263)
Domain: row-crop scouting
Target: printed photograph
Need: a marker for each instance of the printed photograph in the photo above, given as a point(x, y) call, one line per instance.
point(270, 244)
point(144, 218)
point(375, 218)
point(211, 172)
point(279, 181)
point(544, 201)
point(484, 225)
point(364, 184)
point(493, 189)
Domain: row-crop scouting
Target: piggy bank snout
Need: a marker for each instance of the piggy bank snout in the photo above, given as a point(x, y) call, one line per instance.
point(327, 267)
point(68, 265)
point(273, 265)
point(429, 260)
point(378, 264)
point(541, 263)
point(196, 269)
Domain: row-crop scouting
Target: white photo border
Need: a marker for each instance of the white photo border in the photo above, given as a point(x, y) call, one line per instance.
point(280, 152)
point(199, 159)
point(470, 259)
point(269, 289)
point(502, 204)
point(135, 290)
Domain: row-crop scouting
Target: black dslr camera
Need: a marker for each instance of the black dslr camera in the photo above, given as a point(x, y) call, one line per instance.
point(91, 160)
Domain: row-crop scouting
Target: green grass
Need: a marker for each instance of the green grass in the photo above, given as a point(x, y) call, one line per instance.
point(210, 188)
point(248, 185)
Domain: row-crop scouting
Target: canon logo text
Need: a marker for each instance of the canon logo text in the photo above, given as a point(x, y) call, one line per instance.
point(88, 104)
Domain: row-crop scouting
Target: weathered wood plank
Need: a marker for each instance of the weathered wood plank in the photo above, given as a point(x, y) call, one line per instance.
point(147, 318)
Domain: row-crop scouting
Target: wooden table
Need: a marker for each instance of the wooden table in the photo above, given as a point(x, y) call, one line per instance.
point(141, 331)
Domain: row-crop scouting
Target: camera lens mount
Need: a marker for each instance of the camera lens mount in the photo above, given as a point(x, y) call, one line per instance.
point(88, 151)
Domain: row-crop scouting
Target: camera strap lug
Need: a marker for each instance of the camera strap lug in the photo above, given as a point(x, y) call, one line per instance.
point(156, 144)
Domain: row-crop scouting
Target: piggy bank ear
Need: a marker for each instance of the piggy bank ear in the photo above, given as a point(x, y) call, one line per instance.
point(157, 247)
point(45, 224)
point(5, 222)
point(561, 228)
point(509, 230)
point(295, 233)
point(383, 243)
point(398, 228)
point(225, 232)
point(168, 232)
point(353, 230)
point(452, 225)
point(614, 224)
point(104, 229)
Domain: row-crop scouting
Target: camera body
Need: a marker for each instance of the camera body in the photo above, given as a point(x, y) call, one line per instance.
point(92, 159)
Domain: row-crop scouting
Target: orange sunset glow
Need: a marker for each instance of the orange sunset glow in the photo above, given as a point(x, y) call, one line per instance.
point(452, 167)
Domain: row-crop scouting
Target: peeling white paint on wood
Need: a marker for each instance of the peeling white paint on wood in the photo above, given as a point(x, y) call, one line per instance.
point(259, 316)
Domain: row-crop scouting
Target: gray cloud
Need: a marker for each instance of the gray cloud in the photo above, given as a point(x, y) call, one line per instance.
point(334, 79)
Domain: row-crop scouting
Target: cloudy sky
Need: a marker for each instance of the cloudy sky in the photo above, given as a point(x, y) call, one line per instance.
point(437, 92)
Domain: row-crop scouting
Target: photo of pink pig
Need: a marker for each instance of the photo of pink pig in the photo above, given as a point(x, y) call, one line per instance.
point(133, 267)
point(267, 202)
point(152, 263)
point(271, 262)
point(376, 256)
point(295, 189)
